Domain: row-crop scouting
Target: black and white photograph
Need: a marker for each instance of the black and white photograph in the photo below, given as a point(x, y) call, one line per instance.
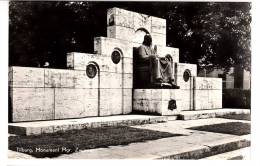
point(147, 80)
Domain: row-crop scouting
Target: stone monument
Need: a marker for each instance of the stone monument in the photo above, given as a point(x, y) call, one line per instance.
point(104, 83)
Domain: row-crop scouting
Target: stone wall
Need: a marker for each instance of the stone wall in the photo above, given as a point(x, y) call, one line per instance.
point(45, 94)
point(207, 93)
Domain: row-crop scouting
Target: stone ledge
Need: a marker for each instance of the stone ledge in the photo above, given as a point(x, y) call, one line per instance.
point(41, 127)
point(205, 114)
point(243, 154)
point(212, 149)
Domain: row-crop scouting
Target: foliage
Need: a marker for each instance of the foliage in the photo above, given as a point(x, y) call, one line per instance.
point(212, 34)
point(236, 98)
point(208, 34)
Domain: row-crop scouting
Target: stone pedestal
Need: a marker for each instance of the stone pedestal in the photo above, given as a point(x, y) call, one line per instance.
point(157, 101)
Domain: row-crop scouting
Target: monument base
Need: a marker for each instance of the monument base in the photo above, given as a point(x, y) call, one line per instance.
point(157, 101)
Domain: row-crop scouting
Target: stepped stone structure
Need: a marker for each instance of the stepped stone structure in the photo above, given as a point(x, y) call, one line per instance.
point(102, 83)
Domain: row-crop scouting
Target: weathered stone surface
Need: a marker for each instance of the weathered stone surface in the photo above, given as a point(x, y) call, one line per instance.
point(158, 25)
point(104, 62)
point(111, 102)
point(26, 77)
point(120, 17)
point(105, 46)
point(59, 78)
point(127, 101)
point(75, 103)
point(83, 81)
point(127, 65)
point(25, 128)
point(187, 99)
point(142, 21)
point(146, 100)
point(78, 61)
point(127, 80)
point(179, 73)
point(111, 80)
point(159, 39)
point(156, 101)
point(122, 33)
point(207, 99)
point(207, 93)
point(181, 67)
point(207, 83)
point(31, 104)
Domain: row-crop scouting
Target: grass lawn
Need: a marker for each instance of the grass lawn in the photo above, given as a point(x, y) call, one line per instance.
point(55, 144)
point(237, 116)
point(235, 128)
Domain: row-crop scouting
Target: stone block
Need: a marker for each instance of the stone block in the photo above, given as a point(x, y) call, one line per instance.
point(144, 105)
point(104, 62)
point(78, 61)
point(83, 81)
point(187, 99)
point(105, 46)
point(142, 94)
point(180, 69)
point(31, 104)
point(127, 65)
point(142, 21)
point(111, 102)
point(26, 77)
point(59, 78)
point(158, 25)
point(207, 99)
point(159, 39)
point(207, 83)
point(111, 80)
point(156, 101)
point(122, 33)
point(120, 17)
point(127, 101)
point(184, 84)
point(174, 52)
point(127, 80)
point(75, 103)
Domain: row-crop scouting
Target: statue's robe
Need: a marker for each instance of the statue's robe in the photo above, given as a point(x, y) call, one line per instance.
point(160, 68)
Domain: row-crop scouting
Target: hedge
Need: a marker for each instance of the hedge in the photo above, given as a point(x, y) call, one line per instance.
point(236, 98)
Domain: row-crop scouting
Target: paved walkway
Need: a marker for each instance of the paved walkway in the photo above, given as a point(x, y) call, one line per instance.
point(191, 143)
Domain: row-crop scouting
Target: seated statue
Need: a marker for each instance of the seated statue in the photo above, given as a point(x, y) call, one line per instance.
point(160, 67)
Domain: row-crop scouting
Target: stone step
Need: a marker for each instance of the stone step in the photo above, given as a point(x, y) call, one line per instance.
point(221, 147)
point(172, 117)
point(240, 154)
point(40, 127)
point(205, 114)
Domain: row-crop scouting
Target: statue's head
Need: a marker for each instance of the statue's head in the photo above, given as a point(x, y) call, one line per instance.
point(147, 40)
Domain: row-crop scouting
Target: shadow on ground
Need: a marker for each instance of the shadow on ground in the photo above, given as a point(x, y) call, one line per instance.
point(55, 144)
point(234, 128)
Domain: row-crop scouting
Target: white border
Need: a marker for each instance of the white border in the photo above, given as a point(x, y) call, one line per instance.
point(255, 155)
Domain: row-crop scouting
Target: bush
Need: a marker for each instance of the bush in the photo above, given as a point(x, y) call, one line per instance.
point(236, 98)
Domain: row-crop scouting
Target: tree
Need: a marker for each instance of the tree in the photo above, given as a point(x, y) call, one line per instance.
point(212, 35)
